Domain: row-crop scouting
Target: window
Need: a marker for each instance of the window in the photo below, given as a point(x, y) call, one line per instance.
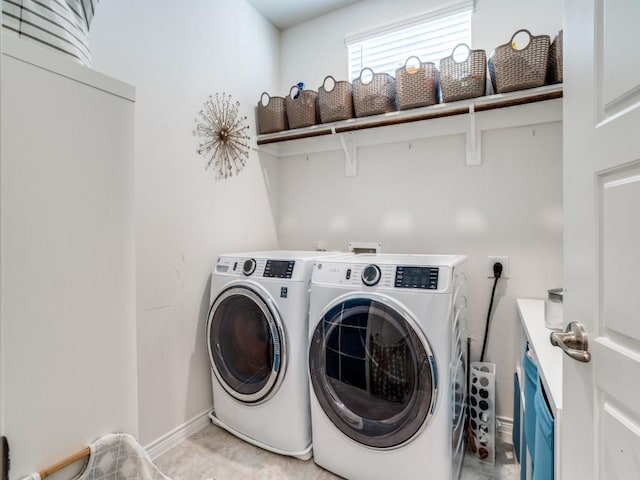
point(431, 37)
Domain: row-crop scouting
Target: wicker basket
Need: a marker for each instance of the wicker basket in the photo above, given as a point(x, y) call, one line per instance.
point(272, 116)
point(302, 110)
point(375, 96)
point(464, 79)
point(513, 69)
point(417, 86)
point(335, 104)
point(554, 74)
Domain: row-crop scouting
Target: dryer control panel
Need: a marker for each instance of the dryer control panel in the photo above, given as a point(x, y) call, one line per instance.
point(417, 277)
point(380, 276)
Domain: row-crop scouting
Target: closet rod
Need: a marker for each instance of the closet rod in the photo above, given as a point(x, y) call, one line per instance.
point(85, 452)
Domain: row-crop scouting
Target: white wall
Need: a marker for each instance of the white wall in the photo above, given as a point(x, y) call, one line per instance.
point(315, 49)
point(418, 197)
point(176, 55)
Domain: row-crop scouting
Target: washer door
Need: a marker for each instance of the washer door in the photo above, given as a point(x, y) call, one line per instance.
point(246, 344)
point(372, 371)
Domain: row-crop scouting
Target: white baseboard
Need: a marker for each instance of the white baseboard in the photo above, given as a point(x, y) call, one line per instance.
point(177, 435)
point(504, 428)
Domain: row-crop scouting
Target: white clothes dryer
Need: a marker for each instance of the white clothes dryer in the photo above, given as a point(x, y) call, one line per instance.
point(257, 334)
point(387, 366)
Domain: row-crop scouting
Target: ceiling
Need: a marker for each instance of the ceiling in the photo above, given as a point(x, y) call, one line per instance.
point(286, 13)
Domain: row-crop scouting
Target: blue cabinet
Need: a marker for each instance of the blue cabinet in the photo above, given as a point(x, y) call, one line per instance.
point(530, 388)
point(543, 456)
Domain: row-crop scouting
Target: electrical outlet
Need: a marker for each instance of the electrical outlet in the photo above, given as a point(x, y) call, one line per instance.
point(505, 266)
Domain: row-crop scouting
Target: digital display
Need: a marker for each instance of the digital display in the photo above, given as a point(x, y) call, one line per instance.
point(417, 277)
point(279, 268)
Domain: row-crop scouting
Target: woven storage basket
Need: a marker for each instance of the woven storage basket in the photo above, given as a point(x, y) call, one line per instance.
point(513, 69)
point(335, 104)
point(272, 117)
point(417, 86)
point(464, 79)
point(376, 96)
point(554, 75)
point(302, 111)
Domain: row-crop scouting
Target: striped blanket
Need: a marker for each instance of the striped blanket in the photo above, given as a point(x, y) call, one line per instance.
point(61, 25)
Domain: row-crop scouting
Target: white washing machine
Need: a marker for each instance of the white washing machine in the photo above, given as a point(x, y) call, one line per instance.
point(257, 334)
point(387, 364)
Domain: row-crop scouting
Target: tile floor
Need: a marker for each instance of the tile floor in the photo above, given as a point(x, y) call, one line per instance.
point(214, 454)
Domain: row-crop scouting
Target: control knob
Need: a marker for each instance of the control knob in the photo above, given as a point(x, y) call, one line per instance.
point(249, 266)
point(371, 275)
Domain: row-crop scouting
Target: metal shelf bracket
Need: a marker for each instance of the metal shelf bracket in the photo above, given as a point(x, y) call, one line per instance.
point(474, 140)
point(350, 153)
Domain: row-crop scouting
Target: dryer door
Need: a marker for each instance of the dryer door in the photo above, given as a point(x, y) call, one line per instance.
point(245, 340)
point(372, 371)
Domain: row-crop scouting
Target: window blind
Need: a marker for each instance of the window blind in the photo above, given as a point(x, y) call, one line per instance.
point(61, 25)
point(430, 37)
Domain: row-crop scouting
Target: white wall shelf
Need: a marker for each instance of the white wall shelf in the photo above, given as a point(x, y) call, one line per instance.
point(470, 117)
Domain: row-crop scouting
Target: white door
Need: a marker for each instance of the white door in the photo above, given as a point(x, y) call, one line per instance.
point(3, 459)
point(600, 426)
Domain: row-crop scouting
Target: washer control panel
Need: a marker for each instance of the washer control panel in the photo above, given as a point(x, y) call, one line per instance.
point(276, 268)
point(279, 268)
point(425, 278)
point(249, 266)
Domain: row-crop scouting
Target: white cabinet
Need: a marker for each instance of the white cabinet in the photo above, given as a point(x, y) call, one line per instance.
point(67, 257)
point(548, 360)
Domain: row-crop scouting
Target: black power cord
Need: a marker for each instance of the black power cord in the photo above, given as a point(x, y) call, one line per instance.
point(497, 273)
point(4, 453)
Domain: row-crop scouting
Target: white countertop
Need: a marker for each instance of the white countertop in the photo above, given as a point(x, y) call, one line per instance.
point(548, 357)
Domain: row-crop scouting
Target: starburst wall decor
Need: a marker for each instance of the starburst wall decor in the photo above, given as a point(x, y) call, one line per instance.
point(225, 143)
